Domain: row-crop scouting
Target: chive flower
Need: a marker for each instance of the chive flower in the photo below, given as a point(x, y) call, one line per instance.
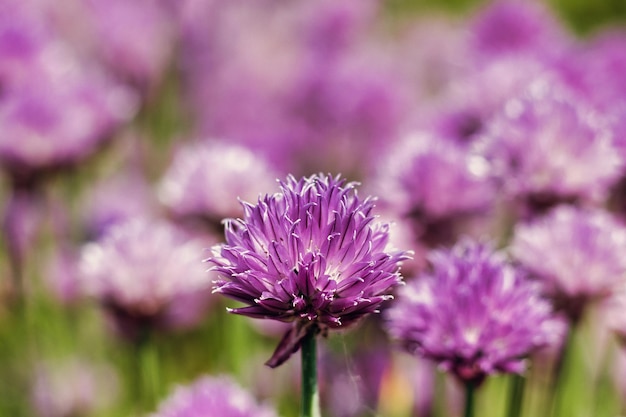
point(473, 313)
point(577, 255)
point(311, 254)
point(212, 396)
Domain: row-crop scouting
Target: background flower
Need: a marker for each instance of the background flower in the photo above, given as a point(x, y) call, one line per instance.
point(473, 313)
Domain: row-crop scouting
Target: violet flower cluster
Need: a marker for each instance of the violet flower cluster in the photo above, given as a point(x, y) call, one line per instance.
point(311, 254)
point(205, 180)
point(212, 396)
point(473, 313)
point(147, 275)
point(578, 255)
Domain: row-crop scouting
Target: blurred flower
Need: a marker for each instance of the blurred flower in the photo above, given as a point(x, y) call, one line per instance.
point(73, 388)
point(138, 56)
point(310, 254)
point(517, 27)
point(577, 254)
point(206, 179)
point(55, 109)
point(146, 274)
point(327, 100)
point(596, 68)
point(436, 184)
point(107, 203)
point(474, 314)
point(548, 146)
point(212, 396)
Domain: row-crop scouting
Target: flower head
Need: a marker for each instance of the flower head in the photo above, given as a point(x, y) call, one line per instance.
point(435, 183)
point(146, 274)
point(212, 396)
point(206, 179)
point(517, 27)
point(577, 254)
point(311, 254)
point(474, 313)
point(549, 145)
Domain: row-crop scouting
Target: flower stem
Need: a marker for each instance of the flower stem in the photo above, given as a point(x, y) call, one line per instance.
point(559, 373)
point(310, 406)
point(470, 397)
point(147, 361)
point(517, 394)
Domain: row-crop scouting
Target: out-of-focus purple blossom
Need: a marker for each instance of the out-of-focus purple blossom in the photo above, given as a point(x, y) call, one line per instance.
point(325, 101)
point(435, 183)
point(72, 388)
point(474, 314)
point(55, 110)
point(517, 27)
point(596, 69)
point(464, 110)
point(311, 254)
point(138, 56)
point(40, 135)
point(548, 146)
point(212, 396)
point(108, 203)
point(205, 181)
point(146, 274)
point(577, 254)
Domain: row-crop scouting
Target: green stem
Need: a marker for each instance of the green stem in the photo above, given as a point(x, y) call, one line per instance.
point(147, 361)
point(518, 383)
point(470, 398)
point(310, 406)
point(559, 374)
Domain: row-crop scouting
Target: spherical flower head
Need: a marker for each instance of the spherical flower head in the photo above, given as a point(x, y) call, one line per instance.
point(508, 26)
point(474, 314)
point(577, 254)
point(206, 179)
point(212, 396)
point(146, 274)
point(435, 182)
point(311, 254)
point(138, 56)
point(548, 144)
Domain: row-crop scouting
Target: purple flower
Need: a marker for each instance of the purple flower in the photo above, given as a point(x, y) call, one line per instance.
point(138, 56)
point(548, 145)
point(311, 254)
point(435, 182)
point(327, 99)
point(54, 109)
point(206, 179)
point(474, 313)
point(147, 274)
point(509, 26)
point(577, 254)
point(212, 396)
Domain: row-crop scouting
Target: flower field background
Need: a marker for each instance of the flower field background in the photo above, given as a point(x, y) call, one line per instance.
point(486, 276)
